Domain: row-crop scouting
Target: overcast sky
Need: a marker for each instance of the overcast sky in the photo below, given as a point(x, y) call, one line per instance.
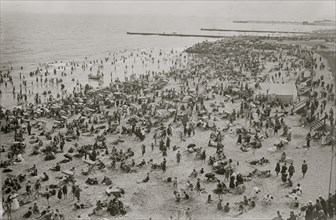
point(257, 10)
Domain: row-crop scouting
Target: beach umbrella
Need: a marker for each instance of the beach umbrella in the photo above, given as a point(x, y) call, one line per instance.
point(64, 117)
point(191, 146)
point(186, 98)
point(55, 106)
point(38, 111)
point(43, 121)
point(171, 110)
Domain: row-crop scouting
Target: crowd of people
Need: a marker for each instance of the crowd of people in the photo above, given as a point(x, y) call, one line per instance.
point(144, 112)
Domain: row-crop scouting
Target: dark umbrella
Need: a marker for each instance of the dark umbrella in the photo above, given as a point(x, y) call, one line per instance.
point(191, 146)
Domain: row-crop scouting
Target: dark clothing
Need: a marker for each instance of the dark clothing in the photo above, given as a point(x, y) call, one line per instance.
point(304, 168)
point(59, 194)
point(324, 206)
point(28, 214)
point(65, 190)
point(309, 213)
point(277, 168)
point(291, 170)
point(283, 169)
point(232, 184)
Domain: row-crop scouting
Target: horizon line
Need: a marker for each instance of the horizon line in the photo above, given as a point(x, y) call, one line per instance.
point(159, 15)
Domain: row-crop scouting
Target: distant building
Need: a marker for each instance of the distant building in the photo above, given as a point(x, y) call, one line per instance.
point(285, 92)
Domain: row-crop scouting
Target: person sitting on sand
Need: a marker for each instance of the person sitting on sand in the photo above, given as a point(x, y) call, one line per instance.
point(33, 170)
point(56, 168)
point(36, 210)
point(45, 211)
point(251, 203)
point(267, 199)
point(219, 204)
point(292, 216)
point(193, 174)
point(189, 185)
point(294, 203)
point(97, 210)
point(283, 157)
point(241, 209)
point(107, 181)
point(256, 191)
point(279, 217)
point(186, 195)
point(142, 163)
point(297, 190)
point(178, 197)
point(226, 207)
point(145, 180)
point(19, 158)
point(28, 214)
point(45, 177)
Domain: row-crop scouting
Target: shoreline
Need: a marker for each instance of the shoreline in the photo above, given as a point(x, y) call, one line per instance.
point(118, 69)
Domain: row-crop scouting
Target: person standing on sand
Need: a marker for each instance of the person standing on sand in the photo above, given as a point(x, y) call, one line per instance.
point(37, 187)
point(77, 193)
point(203, 156)
point(291, 170)
point(29, 128)
point(28, 188)
point(331, 206)
point(219, 205)
point(308, 137)
point(143, 150)
point(279, 217)
point(188, 214)
point(59, 194)
point(198, 186)
point(323, 205)
point(164, 165)
point(47, 195)
point(178, 157)
point(155, 138)
point(175, 183)
point(277, 169)
point(284, 169)
point(304, 168)
point(65, 191)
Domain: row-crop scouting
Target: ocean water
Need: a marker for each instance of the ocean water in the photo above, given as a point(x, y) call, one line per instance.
point(34, 38)
point(30, 39)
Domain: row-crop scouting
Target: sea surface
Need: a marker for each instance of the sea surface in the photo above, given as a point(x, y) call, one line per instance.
point(30, 39)
point(34, 38)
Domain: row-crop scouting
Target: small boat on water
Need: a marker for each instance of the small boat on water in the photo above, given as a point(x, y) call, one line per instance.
point(99, 76)
point(95, 77)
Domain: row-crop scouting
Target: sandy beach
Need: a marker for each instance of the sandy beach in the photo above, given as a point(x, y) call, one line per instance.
point(173, 79)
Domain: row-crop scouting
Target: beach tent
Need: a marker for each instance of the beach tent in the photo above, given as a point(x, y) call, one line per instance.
point(286, 92)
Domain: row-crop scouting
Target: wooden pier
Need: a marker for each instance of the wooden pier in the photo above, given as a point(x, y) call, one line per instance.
point(175, 35)
point(254, 31)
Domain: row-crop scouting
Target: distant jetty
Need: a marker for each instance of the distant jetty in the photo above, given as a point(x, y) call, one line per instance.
point(255, 31)
point(174, 34)
point(314, 23)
